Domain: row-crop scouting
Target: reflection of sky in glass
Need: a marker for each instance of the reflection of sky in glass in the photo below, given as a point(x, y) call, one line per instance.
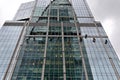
point(8, 39)
point(24, 11)
point(81, 8)
point(96, 51)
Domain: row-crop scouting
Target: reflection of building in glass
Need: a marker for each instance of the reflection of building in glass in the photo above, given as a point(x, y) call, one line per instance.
point(56, 40)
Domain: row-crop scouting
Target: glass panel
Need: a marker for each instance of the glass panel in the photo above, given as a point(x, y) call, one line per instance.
point(25, 11)
point(37, 30)
point(89, 31)
point(54, 59)
point(53, 30)
point(9, 36)
point(30, 59)
point(81, 8)
point(99, 59)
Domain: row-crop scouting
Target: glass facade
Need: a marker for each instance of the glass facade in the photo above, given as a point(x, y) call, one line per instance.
point(24, 11)
point(9, 36)
point(61, 41)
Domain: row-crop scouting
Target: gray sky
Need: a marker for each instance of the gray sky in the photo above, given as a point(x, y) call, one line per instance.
point(106, 11)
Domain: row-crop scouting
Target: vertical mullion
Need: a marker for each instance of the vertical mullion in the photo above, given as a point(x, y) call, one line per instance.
point(82, 56)
point(46, 43)
point(63, 52)
point(58, 14)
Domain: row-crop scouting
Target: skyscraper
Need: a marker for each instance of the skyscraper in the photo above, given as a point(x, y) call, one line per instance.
point(56, 40)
